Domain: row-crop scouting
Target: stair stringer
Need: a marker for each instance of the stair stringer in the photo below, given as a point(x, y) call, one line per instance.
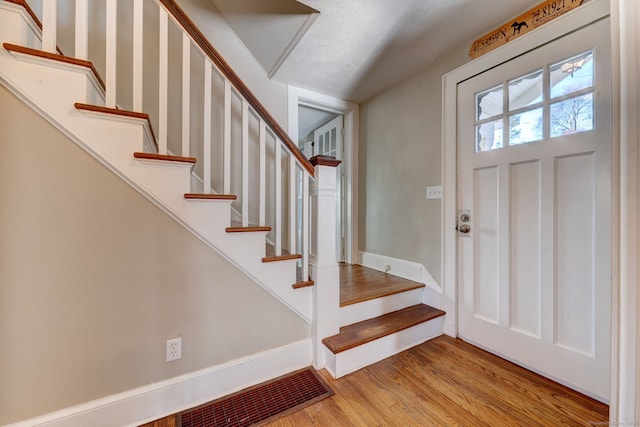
point(113, 140)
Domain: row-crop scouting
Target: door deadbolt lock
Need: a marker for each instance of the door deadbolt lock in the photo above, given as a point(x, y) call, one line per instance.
point(464, 217)
point(464, 228)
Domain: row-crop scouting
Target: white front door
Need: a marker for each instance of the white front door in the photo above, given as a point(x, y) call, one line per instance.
point(534, 220)
point(327, 141)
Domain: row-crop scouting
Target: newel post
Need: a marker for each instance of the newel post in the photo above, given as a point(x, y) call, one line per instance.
point(322, 260)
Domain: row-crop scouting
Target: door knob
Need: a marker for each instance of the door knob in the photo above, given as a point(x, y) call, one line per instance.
point(464, 228)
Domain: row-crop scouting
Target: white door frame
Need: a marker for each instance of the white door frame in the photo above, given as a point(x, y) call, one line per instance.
point(350, 111)
point(625, 334)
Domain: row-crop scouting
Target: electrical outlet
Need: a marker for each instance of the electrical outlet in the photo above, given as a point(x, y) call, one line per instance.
point(174, 349)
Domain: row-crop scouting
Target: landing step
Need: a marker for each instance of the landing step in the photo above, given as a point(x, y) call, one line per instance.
point(354, 335)
point(359, 284)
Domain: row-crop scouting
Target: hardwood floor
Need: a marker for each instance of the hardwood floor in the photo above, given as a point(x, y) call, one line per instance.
point(446, 382)
point(358, 284)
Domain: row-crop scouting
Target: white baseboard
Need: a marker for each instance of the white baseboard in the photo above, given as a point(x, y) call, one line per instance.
point(148, 403)
point(409, 270)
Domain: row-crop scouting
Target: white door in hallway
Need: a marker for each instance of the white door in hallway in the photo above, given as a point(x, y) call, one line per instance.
point(534, 220)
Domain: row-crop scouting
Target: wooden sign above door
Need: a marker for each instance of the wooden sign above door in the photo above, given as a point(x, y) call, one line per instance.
point(521, 25)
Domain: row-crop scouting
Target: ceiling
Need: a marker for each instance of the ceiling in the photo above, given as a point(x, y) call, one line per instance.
point(355, 49)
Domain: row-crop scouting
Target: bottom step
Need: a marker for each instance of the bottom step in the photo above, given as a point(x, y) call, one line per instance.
point(370, 341)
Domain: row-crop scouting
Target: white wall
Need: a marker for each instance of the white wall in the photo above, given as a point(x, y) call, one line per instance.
point(94, 279)
point(400, 155)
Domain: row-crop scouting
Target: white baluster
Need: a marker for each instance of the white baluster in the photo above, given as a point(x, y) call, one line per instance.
point(293, 200)
point(81, 46)
point(245, 163)
point(163, 81)
point(137, 54)
point(49, 25)
point(206, 153)
point(111, 40)
point(263, 174)
point(226, 150)
point(305, 227)
point(186, 94)
point(278, 199)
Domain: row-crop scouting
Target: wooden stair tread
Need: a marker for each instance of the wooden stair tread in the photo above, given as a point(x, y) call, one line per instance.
point(359, 284)
point(196, 196)
point(300, 282)
point(107, 110)
point(236, 227)
point(270, 254)
point(246, 229)
point(351, 336)
point(164, 157)
point(54, 57)
point(300, 285)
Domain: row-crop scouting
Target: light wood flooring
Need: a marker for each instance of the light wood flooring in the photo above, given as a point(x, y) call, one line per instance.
point(444, 382)
point(358, 284)
point(447, 382)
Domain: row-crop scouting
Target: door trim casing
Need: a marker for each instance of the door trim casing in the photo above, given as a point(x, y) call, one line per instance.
point(581, 17)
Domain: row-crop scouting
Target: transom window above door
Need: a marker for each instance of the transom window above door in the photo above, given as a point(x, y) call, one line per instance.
point(552, 101)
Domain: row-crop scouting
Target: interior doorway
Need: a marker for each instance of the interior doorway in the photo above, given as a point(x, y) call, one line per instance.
point(331, 114)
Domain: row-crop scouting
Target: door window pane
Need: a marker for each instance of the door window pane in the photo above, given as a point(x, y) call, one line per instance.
point(489, 103)
point(489, 136)
point(525, 91)
point(572, 116)
point(571, 75)
point(333, 139)
point(525, 127)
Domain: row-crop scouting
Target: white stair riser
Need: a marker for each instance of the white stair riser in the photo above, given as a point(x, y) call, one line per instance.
point(33, 73)
point(356, 358)
point(355, 313)
point(17, 27)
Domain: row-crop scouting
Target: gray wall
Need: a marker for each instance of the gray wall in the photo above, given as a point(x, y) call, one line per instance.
point(94, 279)
point(400, 155)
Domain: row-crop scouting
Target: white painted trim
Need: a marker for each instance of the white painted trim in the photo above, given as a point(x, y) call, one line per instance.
point(399, 267)
point(625, 342)
point(351, 112)
point(432, 293)
point(148, 403)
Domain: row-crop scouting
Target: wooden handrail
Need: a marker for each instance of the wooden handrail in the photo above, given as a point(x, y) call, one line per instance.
point(215, 57)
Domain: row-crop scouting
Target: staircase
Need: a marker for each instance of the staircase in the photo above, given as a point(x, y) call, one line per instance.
point(214, 160)
point(255, 230)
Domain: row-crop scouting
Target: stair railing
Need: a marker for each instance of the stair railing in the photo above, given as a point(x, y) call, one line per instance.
point(155, 60)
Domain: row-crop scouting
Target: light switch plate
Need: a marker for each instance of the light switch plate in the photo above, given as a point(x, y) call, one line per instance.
point(434, 192)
